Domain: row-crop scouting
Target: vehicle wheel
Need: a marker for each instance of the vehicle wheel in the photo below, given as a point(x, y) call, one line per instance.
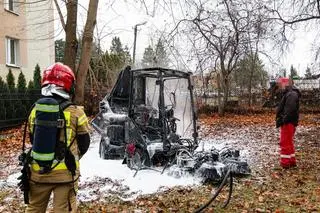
point(102, 149)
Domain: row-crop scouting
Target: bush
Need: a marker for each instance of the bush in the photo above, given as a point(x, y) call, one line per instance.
point(37, 77)
point(22, 83)
point(11, 81)
point(208, 109)
point(30, 86)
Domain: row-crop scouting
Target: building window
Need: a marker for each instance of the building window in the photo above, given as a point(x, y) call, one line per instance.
point(12, 52)
point(11, 5)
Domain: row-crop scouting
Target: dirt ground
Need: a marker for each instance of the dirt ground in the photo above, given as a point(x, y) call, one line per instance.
point(268, 189)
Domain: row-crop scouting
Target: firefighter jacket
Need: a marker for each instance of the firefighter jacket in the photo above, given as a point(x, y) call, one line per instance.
point(288, 108)
point(77, 131)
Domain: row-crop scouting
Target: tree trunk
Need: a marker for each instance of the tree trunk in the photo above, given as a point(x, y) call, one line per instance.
point(253, 62)
point(86, 51)
point(205, 88)
point(250, 86)
point(225, 92)
point(220, 103)
point(225, 88)
point(70, 51)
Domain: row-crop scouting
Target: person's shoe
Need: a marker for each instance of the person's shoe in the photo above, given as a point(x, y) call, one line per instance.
point(294, 165)
point(291, 166)
point(286, 166)
point(278, 168)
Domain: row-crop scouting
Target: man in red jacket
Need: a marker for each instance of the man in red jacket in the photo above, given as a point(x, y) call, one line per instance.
point(287, 118)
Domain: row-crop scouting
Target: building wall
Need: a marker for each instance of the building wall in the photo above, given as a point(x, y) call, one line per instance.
point(33, 26)
point(40, 35)
point(12, 25)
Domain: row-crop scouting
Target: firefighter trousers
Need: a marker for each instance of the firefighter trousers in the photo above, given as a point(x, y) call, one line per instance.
point(287, 152)
point(64, 198)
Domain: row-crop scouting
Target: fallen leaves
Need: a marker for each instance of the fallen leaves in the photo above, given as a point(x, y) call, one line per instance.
point(11, 141)
point(269, 189)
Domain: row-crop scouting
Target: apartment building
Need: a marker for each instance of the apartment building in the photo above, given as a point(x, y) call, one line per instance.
point(26, 36)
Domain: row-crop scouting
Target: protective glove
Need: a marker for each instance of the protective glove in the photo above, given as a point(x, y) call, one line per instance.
point(22, 158)
point(70, 162)
point(23, 183)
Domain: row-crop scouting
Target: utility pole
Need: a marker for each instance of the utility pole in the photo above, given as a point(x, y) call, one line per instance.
point(135, 41)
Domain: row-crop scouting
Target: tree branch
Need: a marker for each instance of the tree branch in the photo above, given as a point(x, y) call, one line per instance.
point(296, 20)
point(60, 15)
point(236, 43)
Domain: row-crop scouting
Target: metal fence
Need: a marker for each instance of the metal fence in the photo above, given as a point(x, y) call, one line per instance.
point(235, 98)
point(15, 106)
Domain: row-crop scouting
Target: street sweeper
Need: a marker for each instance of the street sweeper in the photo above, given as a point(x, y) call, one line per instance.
point(149, 120)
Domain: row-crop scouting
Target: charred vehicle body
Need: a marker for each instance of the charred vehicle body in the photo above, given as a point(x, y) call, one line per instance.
point(149, 119)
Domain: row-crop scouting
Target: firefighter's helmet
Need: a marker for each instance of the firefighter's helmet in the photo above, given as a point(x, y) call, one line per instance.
point(60, 75)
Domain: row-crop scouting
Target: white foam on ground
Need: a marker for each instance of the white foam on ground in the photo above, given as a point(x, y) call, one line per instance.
point(101, 177)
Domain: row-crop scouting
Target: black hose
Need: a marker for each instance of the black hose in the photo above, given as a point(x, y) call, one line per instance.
point(24, 136)
point(165, 166)
point(25, 129)
point(223, 183)
point(230, 191)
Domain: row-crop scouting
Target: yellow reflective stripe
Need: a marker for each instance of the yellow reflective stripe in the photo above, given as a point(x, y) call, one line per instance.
point(47, 108)
point(82, 119)
point(32, 119)
point(60, 166)
point(42, 156)
point(69, 134)
point(32, 116)
point(67, 116)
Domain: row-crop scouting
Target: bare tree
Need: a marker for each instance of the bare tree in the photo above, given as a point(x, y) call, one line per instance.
point(224, 31)
point(289, 15)
point(86, 50)
point(258, 32)
point(290, 12)
point(70, 51)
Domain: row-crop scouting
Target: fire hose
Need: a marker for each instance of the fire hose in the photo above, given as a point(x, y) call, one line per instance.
point(183, 155)
point(223, 183)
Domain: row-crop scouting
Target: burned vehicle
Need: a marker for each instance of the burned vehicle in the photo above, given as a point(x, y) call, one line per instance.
point(149, 119)
point(152, 106)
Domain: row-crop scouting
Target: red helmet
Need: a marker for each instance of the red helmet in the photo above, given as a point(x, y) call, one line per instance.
point(60, 75)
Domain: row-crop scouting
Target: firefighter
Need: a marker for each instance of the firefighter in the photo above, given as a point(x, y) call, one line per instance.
point(287, 118)
point(58, 82)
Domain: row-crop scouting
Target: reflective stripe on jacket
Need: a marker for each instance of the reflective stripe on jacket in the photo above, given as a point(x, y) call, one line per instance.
point(76, 123)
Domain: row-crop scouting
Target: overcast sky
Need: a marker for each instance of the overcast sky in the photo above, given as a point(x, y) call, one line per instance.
point(118, 17)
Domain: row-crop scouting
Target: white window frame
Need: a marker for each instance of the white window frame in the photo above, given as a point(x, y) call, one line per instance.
point(12, 6)
point(12, 52)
